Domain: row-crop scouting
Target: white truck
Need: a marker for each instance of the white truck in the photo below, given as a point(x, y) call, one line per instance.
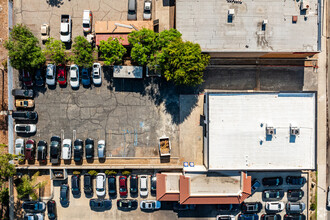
point(65, 28)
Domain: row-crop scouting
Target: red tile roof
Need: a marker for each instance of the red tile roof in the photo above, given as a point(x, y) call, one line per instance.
point(161, 193)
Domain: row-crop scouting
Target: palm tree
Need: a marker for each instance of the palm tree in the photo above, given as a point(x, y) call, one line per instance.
point(29, 186)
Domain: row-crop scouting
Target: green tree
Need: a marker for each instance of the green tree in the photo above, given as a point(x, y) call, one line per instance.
point(110, 172)
point(29, 186)
point(166, 37)
point(112, 51)
point(183, 63)
point(23, 49)
point(6, 168)
point(55, 49)
point(93, 172)
point(126, 173)
point(83, 52)
point(4, 196)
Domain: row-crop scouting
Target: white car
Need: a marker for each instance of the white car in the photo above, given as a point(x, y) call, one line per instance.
point(51, 74)
point(25, 128)
point(144, 185)
point(274, 206)
point(97, 78)
point(44, 30)
point(100, 184)
point(65, 36)
point(101, 149)
point(19, 146)
point(150, 204)
point(87, 21)
point(66, 149)
point(33, 216)
point(74, 76)
point(147, 10)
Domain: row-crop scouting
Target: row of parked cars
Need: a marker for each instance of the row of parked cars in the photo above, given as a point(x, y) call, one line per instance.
point(34, 210)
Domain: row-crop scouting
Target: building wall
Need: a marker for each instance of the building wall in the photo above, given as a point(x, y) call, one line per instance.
point(259, 55)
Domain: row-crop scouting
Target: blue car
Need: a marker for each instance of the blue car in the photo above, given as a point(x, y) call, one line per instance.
point(85, 77)
point(255, 185)
point(64, 195)
point(248, 217)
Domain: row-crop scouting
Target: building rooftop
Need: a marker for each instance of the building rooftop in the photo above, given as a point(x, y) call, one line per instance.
point(208, 23)
point(238, 124)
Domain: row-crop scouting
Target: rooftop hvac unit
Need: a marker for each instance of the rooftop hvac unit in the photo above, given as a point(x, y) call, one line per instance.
point(270, 131)
point(294, 131)
point(304, 5)
point(231, 12)
point(264, 22)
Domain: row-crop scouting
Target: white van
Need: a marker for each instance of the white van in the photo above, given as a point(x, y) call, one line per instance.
point(144, 185)
point(87, 21)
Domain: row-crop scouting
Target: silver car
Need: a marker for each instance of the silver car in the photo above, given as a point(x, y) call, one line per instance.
point(19, 146)
point(131, 10)
point(51, 74)
point(147, 10)
point(97, 79)
point(101, 149)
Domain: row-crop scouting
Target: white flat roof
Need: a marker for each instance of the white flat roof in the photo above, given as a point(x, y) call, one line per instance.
point(237, 131)
point(206, 22)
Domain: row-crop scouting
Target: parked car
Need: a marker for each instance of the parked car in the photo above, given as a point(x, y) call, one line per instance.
point(85, 77)
point(251, 207)
point(65, 34)
point(74, 76)
point(274, 206)
point(19, 146)
point(131, 10)
point(78, 150)
point(179, 207)
point(66, 149)
point(75, 185)
point(30, 148)
point(61, 74)
point(294, 217)
point(328, 198)
point(225, 217)
point(273, 194)
point(34, 206)
point(24, 115)
point(25, 128)
point(127, 204)
point(64, 195)
point(22, 93)
point(133, 184)
point(228, 207)
point(88, 184)
point(44, 31)
point(55, 149)
point(150, 204)
point(147, 10)
point(50, 75)
point(272, 181)
point(27, 78)
point(42, 151)
point(33, 216)
point(144, 186)
point(112, 185)
point(87, 21)
point(51, 209)
point(101, 149)
point(153, 184)
point(255, 185)
point(248, 217)
point(97, 78)
point(24, 103)
point(271, 217)
point(296, 180)
point(123, 186)
point(89, 145)
point(100, 205)
point(39, 79)
point(295, 207)
point(295, 194)
point(100, 184)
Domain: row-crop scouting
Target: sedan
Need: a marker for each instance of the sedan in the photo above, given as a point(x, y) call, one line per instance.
point(30, 149)
point(296, 180)
point(127, 204)
point(74, 76)
point(23, 93)
point(64, 195)
point(180, 207)
point(123, 186)
point(66, 149)
point(100, 184)
point(78, 150)
point(24, 103)
point(75, 185)
point(153, 184)
point(61, 74)
point(34, 206)
point(50, 74)
point(295, 194)
point(33, 216)
point(248, 217)
point(51, 209)
point(147, 10)
point(39, 78)
point(225, 217)
point(101, 149)
point(295, 207)
point(89, 145)
point(88, 184)
point(133, 184)
point(272, 181)
point(273, 194)
point(24, 115)
point(100, 205)
point(55, 151)
point(255, 185)
point(42, 151)
point(131, 10)
point(27, 79)
point(294, 217)
point(144, 185)
point(25, 128)
point(112, 186)
point(271, 217)
point(85, 77)
point(19, 146)
point(97, 78)
point(251, 207)
point(274, 206)
point(150, 204)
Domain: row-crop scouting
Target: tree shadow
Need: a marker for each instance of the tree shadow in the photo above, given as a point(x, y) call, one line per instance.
point(55, 3)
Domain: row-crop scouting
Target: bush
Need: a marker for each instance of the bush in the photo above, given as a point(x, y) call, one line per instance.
point(112, 51)
point(110, 172)
point(83, 52)
point(93, 172)
point(126, 173)
point(76, 172)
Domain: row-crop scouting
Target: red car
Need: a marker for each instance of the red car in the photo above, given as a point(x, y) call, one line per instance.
point(30, 147)
point(61, 74)
point(123, 186)
point(27, 79)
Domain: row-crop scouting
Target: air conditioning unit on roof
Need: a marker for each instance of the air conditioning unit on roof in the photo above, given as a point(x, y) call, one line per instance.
point(294, 131)
point(270, 131)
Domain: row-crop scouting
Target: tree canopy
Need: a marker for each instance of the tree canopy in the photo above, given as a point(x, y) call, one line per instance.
point(55, 49)
point(28, 186)
point(83, 52)
point(6, 168)
point(112, 51)
point(23, 49)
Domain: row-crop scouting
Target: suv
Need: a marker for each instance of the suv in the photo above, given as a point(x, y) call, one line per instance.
point(88, 184)
point(89, 145)
point(30, 147)
point(34, 206)
point(42, 151)
point(100, 205)
point(50, 75)
point(272, 181)
point(66, 149)
point(74, 76)
point(39, 79)
point(22, 93)
point(25, 128)
point(274, 206)
point(144, 186)
point(153, 184)
point(101, 149)
point(55, 151)
point(87, 21)
point(295, 207)
point(75, 185)
point(51, 209)
point(295, 194)
point(296, 180)
point(27, 79)
point(64, 195)
point(131, 10)
point(24, 115)
point(127, 204)
point(273, 194)
point(134, 184)
point(112, 186)
point(78, 150)
point(251, 207)
point(100, 184)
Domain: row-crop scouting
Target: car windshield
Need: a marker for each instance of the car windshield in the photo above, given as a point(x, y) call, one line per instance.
point(26, 92)
point(26, 79)
point(96, 75)
point(49, 76)
point(74, 79)
point(85, 76)
point(122, 189)
point(40, 148)
point(26, 103)
point(131, 12)
point(64, 33)
point(100, 146)
point(61, 78)
point(29, 146)
point(66, 145)
point(85, 25)
point(99, 189)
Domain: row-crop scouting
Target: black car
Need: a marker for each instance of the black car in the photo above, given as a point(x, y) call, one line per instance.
point(248, 217)
point(294, 217)
point(34, 206)
point(181, 207)
point(251, 207)
point(127, 204)
point(271, 217)
point(39, 79)
point(75, 185)
point(78, 150)
point(64, 195)
point(24, 115)
point(272, 181)
point(88, 184)
point(100, 205)
point(296, 180)
point(273, 194)
point(228, 207)
point(153, 184)
point(112, 186)
point(55, 149)
point(22, 93)
point(51, 209)
point(42, 151)
point(295, 194)
point(89, 145)
point(133, 184)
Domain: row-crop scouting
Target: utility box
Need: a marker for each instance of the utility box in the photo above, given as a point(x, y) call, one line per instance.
point(132, 72)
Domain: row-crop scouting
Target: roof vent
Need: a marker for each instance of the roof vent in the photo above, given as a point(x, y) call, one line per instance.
point(270, 131)
point(294, 131)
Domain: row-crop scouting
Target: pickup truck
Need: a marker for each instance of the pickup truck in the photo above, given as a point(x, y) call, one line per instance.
point(65, 28)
